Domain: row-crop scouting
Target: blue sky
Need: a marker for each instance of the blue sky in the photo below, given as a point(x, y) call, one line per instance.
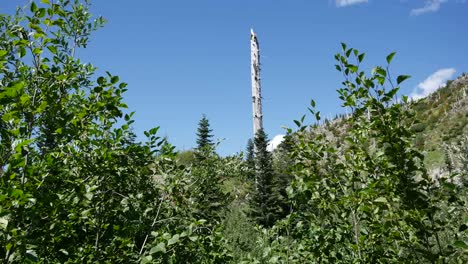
point(185, 58)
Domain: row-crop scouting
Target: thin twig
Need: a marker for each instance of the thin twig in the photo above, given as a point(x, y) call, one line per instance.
point(152, 225)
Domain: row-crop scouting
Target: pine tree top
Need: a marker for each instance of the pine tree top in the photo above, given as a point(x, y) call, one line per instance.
point(204, 136)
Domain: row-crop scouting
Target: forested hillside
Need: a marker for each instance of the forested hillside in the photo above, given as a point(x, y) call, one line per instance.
point(441, 121)
point(77, 187)
point(439, 125)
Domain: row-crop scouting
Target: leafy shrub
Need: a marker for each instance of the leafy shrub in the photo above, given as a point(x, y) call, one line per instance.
point(418, 127)
point(369, 200)
point(75, 187)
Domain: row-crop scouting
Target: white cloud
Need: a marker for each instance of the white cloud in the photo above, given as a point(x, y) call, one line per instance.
point(435, 81)
point(429, 6)
point(343, 3)
point(273, 144)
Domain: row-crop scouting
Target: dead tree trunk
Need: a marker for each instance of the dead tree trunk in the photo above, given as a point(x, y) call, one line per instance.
point(256, 88)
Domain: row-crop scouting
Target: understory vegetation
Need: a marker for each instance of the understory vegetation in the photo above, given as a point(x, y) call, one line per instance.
point(77, 187)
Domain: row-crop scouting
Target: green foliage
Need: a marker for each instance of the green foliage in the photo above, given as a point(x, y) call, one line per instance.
point(250, 158)
point(440, 119)
point(208, 197)
point(75, 187)
point(457, 160)
point(186, 158)
point(266, 207)
point(368, 199)
point(240, 233)
point(204, 134)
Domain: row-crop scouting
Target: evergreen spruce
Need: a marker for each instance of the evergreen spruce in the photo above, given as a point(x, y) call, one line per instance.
point(209, 198)
point(265, 208)
point(250, 159)
point(281, 166)
point(204, 134)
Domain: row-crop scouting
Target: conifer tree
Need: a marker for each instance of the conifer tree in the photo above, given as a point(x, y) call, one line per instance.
point(250, 150)
point(281, 162)
point(250, 159)
point(265, 207)
point(209, 197)
point(204, 134)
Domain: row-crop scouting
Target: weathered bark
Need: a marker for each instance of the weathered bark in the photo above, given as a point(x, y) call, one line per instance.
point(256, 87)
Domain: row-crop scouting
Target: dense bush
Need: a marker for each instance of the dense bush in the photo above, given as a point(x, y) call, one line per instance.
point(75, 187)
point(370, 199)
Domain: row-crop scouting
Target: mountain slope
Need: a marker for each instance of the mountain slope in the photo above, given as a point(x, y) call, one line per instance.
point(441, 120)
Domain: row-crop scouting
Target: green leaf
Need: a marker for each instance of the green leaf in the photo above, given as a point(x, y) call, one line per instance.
point(97, 89)
point(101, 80)
point(114, 79)
point(36, 27)
point(161, 247)
point(46, 2)
point(16, 193)
point(3, 53)
point(361, 57)
point(381, 200)
point(381, 71)
point(460, 244)
point(390, 57)
point(31, 255)
point(41, 107)
point(33, 7)
point(173, 240)
point(25, 98)
point(312, 103)
point(391, 93)
point(352, 68)
point(3, 223)
point(166, 236)
point(153, 131)
point(37, 51)
point(12, 91)
point(41, 13)
point(343, 45)
point(22, 51)
point(274, 259)
point(146, 259)
point(404, 98)
point(402, 78)
point(52, 49)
